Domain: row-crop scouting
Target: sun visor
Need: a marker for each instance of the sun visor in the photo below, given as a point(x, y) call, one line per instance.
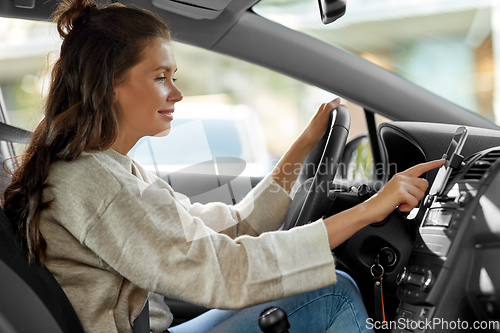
point(195, 9)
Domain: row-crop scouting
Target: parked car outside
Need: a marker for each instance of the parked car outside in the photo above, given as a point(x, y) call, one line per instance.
point(230, 136)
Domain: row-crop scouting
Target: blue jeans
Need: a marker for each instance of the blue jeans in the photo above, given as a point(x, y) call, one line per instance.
point(336, 308)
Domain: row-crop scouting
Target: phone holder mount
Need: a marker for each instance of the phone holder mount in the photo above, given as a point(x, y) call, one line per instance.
point(455, 163)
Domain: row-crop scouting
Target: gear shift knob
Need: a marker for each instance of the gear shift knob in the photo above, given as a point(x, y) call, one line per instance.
point(274, 320)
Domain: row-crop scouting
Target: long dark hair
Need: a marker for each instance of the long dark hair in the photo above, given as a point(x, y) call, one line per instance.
point(99, 45)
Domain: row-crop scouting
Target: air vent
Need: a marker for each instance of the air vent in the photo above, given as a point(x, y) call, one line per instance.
point(481, 165)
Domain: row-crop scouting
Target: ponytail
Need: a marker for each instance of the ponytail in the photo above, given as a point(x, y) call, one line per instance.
point(99, 46)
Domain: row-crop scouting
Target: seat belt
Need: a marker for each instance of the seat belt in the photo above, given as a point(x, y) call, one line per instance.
point(141, 323)
point(13, 134)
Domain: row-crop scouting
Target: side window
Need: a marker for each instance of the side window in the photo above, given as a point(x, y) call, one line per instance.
point(358, 155)
point(27, 47)
point(358, 160)
point(281, 106)
point(361, 164)
point(6, 148)
point(231, 108)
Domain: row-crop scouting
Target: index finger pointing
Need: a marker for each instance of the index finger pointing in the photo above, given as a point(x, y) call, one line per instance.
point(419, 169)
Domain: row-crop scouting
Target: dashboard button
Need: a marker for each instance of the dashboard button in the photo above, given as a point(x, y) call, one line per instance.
point(406, 314)
point(428, 280)
point(463, 198)
point(424, 312)
point(402, 276)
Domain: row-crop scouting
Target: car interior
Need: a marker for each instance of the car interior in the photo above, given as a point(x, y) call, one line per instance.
point(438, 262)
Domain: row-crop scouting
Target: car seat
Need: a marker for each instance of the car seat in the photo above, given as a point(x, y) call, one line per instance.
point(31, 298)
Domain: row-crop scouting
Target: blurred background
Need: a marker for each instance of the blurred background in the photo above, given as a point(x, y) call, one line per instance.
point(447, 46)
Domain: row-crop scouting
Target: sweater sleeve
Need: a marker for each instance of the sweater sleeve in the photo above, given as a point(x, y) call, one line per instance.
point(262, 209)
point(164, 249)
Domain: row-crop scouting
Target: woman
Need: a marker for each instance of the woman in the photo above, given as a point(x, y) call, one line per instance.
point(112, 234)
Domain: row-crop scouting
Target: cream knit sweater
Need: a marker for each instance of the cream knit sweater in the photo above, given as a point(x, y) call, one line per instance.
point(116, 233)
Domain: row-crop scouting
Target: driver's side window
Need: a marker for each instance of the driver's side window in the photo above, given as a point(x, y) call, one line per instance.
point(239, 110)
point(358, 162)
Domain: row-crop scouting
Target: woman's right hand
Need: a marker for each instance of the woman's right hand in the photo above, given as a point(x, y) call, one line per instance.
point(403, 191)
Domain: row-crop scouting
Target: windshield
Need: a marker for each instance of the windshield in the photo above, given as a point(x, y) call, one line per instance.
point(445, 46)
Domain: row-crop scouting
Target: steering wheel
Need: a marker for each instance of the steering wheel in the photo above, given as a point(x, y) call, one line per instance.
point(311, 200)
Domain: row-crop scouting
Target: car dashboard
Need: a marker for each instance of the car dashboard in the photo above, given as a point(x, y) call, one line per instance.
point(451, 279)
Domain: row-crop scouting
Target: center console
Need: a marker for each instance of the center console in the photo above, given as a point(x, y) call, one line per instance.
point(427, 272)
point(427, 285)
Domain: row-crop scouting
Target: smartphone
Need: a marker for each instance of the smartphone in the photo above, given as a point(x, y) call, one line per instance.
point(453, 151)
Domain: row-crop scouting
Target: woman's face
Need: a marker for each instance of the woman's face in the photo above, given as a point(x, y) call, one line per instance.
point(144, 103)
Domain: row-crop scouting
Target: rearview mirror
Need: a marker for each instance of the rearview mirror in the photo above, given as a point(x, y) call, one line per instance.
point(331, 10)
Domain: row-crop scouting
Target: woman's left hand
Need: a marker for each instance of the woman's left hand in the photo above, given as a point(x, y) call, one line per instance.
point(317, 126)
point(288, 167)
